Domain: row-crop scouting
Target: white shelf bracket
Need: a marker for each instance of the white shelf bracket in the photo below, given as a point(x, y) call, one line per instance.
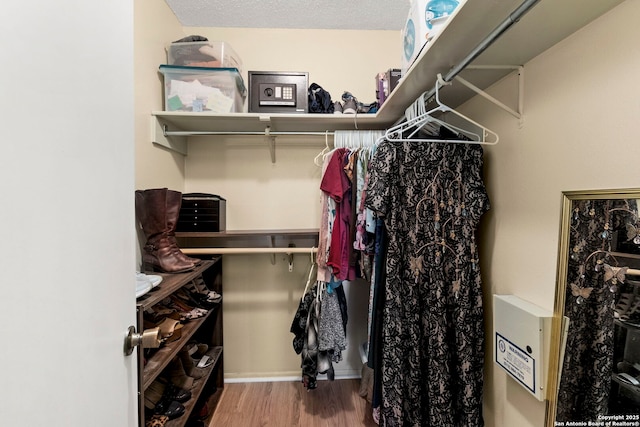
point(271, 142)
point(519, 113)
point(159, 137)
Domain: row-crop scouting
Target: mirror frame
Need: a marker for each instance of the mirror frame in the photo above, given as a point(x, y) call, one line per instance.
point(556, 350)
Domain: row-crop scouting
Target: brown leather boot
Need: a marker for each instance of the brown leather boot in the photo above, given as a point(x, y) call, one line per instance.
point(174, 202)
point(159, 254)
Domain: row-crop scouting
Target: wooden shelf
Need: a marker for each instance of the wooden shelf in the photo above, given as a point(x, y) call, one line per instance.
point(546, 24)
point(163, 356)
point(171, 283)
point(249, 238)
point(211, 323)
point(197, 389)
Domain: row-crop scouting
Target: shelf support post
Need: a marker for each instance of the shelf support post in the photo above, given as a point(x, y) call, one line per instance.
point(271, 142)
point(159, 137)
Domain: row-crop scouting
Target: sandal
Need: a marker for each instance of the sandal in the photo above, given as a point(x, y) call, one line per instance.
point(176, 335)
point(187, 312)
point(167, 327)
point(190, 298)
point(201, 291)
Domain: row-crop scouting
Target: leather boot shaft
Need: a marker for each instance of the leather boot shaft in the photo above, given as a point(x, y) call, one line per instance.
point(174, 203)
point(159, 254)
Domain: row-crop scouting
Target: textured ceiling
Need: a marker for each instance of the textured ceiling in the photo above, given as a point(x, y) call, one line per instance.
point(311, 14)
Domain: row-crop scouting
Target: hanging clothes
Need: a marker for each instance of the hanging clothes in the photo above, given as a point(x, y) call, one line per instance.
point(305, 341)
point(319, 328)
point(431, 197)
point(337, 185)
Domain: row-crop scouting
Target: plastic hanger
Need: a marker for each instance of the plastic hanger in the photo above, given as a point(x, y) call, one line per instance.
point(324, 151)
point(418, 118)
point(312, 271)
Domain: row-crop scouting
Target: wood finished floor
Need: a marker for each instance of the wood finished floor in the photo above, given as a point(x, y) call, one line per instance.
point(289, 404)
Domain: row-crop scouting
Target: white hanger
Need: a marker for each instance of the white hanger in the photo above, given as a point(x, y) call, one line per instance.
point(417, 118)
point(312, 270)
point(324, 151)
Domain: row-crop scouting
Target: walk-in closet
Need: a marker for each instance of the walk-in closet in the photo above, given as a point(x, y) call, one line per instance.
point(465, 253)
point(269, 168)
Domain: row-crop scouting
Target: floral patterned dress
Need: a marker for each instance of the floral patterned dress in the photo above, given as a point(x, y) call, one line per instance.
point(431, 196)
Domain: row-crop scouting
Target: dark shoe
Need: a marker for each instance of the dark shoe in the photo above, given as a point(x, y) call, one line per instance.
point(169, 390)
point(169, 408)
point(175, 393)
point(157, 400)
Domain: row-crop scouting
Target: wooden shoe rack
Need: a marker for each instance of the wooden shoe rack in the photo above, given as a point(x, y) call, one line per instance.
point(207, 330)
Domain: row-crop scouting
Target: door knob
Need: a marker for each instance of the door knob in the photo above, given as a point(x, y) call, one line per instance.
point(149, 338)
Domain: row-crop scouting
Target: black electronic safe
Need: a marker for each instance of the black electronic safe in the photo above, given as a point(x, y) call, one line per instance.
point(278, 92)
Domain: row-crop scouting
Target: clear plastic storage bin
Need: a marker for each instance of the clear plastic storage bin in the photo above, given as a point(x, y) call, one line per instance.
point(210, 54)
point(200, 89)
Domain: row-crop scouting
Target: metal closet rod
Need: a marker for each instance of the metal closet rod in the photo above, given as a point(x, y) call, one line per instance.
point(514, 17)
point(266, 132)
point(239, 251)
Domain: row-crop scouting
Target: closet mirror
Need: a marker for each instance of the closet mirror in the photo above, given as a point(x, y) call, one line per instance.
point(594, 370)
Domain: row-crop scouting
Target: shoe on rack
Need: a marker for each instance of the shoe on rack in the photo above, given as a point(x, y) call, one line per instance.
point(337, 107)
point(190, 367)
point(156, 421)
point(198, 286)
point(143, 284)
point(172, 392)
point(157, 400)
point(177, 375)
point(169, 408)
point(197, 350)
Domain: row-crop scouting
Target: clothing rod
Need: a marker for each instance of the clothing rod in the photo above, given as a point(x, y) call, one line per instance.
point(514, 17)
point(633, 272)
point(195, 133)
point(240, 251)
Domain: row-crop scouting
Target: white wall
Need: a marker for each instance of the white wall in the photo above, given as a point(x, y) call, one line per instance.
point(580, 132)
point(155, 27)
point(66, 179)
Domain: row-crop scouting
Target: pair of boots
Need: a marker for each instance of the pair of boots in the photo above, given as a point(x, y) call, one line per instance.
point(157, 211)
